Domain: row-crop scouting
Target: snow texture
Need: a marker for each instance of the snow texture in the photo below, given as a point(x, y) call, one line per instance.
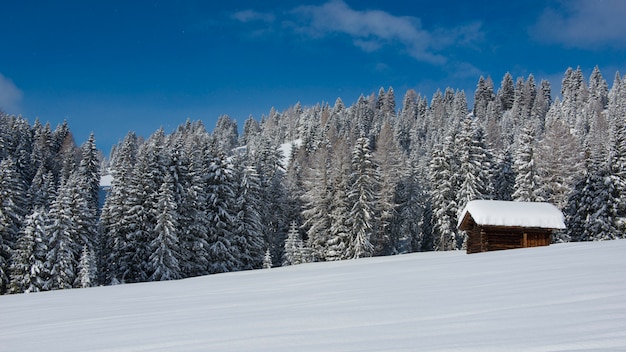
point(286, 150)
point(106, 180)
point(522, 214)
point(566, 297)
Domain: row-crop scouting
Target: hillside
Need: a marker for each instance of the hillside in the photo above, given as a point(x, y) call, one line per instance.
point(567, 297)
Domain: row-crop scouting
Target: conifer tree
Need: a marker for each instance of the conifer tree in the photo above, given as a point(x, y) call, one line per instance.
point(294, 247)
point(338, 242)
point(89, 173)
point(443, 198)
point(115, 222)
point(60, 260)
point(12, 203)
point(317, 208)
point(28, 272)
point(221, 214)
point(527, 182)
point(593, 208)
point(273, 195)
point(87, 269)
point(558, 163)
point(411, 204)
point(503, 176)
point(474, 164)
point(363, 197)
point(267, 260)
point(195, 256)
point(165, 252)
point(249, 226)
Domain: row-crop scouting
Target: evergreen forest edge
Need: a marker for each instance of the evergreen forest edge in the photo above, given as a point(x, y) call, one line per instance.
point(364, 180)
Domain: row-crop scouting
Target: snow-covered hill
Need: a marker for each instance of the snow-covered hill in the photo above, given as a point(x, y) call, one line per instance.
point(569, 297)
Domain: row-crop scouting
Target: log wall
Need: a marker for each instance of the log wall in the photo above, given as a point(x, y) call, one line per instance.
point(483, 239)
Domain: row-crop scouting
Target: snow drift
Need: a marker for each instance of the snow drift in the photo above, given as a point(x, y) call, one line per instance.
point(563, 297)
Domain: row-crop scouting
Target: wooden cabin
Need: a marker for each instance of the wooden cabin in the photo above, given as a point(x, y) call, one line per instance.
point(493, 225)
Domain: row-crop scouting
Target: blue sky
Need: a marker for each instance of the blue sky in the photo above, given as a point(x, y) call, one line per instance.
point(115, 66)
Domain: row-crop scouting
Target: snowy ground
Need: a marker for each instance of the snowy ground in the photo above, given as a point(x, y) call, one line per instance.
point(569, 297)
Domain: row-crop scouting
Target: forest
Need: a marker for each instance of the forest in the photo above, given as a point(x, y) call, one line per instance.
point(372, 179)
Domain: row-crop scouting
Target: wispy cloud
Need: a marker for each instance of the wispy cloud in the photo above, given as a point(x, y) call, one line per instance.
point(252, 16)
point(583, 24)
point(372, 30)
point(10, 96)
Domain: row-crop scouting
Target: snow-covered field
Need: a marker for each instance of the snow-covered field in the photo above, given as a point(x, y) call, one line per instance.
point(569, 297)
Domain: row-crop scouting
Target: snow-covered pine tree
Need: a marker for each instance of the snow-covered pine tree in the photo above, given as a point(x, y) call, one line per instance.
point(87, 268)
point(390, 166)
point(61, 228)
point(317, 204)
point(195, 252)
point(483, 95)
point(443, 199)
point(273, 195)
point(165, 252)
point(267, 260)
point(338, 244)
point(186, 208)
point(506, 93)
point(28, 271)
point(411, 202)
point(294, 247)
point(225, 135)
point(144, 189)
point(617, 147)
point(249, 226)
point(575, 94)
point(115, 222)
point(474, 164)
point(12, 205)
point(89, 173)
point(593, 208)
point(558, 163)
point(221, 214)
point(527, 181)
point(503, 175)
point(363, 196)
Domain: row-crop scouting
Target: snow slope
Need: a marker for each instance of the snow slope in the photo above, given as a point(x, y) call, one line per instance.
point(568, 297)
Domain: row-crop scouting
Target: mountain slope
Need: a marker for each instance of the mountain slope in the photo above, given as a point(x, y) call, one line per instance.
point(563, 297)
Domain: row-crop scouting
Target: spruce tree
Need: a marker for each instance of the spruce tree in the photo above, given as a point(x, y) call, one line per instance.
point(317, 205)
point(474, 164)
point(267, 260)
point(12, 205)
point(61, 228)
point(221, 214)
point(527, 181)
point(87, 268)
point(164, 259)
point(28, 271)
point(294, 247)
point(363, 197)
point(249, 226)
point(115, 223)
point(443, 199)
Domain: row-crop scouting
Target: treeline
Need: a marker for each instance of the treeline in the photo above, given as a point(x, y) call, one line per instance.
point(363, 180)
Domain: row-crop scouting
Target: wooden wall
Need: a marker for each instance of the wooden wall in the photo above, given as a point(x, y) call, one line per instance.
point(483, 239)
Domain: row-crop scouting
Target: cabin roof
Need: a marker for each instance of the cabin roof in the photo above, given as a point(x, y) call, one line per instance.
point(512, 214)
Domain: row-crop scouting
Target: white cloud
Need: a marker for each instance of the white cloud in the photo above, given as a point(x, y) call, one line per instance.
point(371, 30)
point(583, 24)
point(250, 16)
point(10, 96)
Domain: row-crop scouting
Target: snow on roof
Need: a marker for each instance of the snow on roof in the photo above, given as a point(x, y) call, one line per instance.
point(517, 214)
